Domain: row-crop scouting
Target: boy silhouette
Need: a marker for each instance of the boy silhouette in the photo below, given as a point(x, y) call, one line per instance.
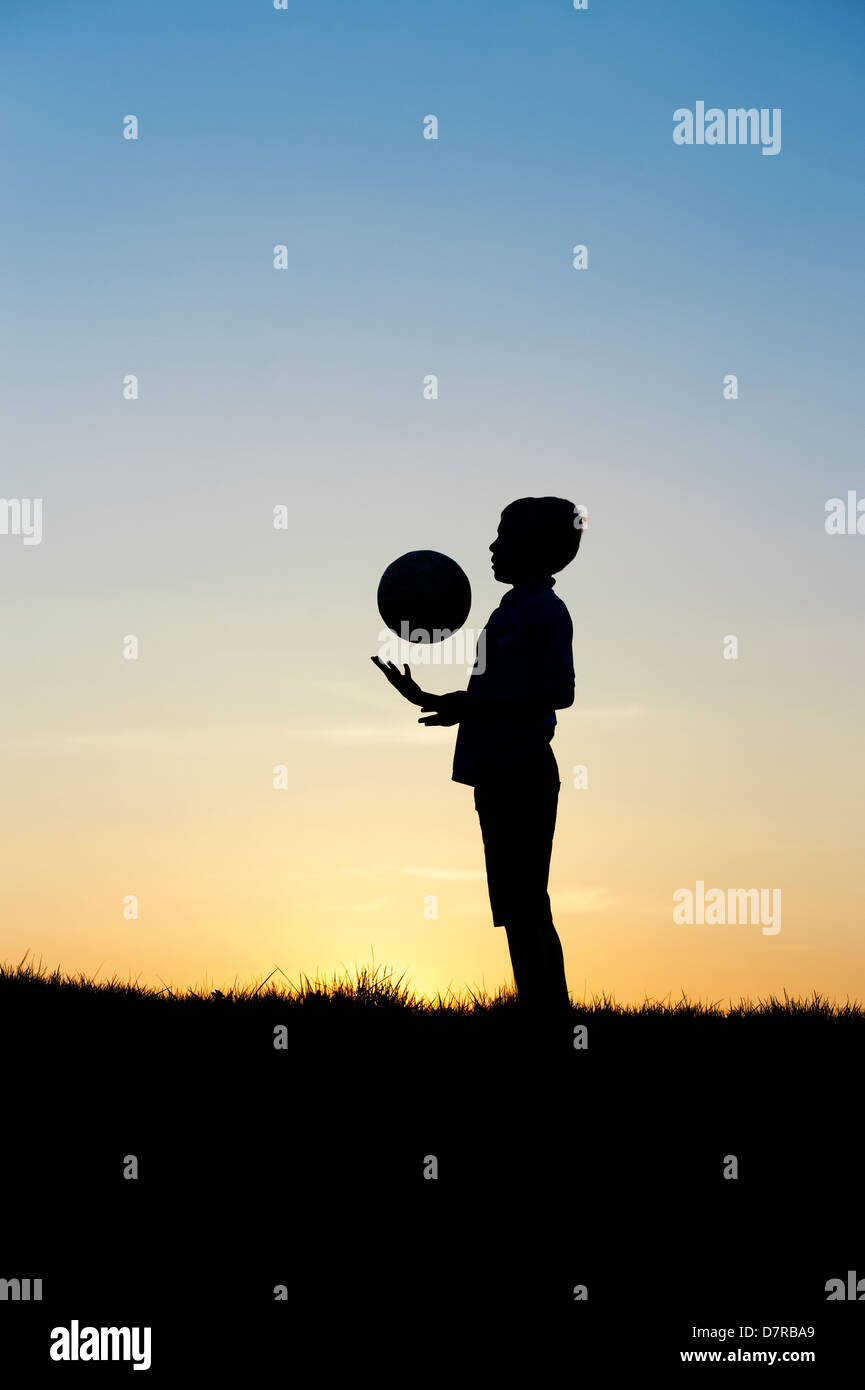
point(524, 673)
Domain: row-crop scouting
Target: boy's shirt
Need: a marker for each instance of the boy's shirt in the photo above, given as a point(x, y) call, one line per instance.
point(526, 650)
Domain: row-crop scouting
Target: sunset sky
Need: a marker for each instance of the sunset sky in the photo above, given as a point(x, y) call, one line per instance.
point(304, 387)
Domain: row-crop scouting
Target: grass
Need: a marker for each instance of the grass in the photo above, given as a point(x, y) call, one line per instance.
point(376, 988)
point(304, 1164)
point(372, 1018)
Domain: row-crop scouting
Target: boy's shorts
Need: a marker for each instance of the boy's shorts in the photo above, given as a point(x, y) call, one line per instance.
point(517, 811)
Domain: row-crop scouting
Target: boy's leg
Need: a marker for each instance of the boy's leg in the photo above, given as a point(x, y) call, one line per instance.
point(528, 959)
point(518, 817)
point(539, 966)
point(556, 984)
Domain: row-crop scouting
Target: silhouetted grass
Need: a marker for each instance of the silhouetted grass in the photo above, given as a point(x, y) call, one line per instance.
point(375, 988)
point(313, 1150)
point(371, 1021)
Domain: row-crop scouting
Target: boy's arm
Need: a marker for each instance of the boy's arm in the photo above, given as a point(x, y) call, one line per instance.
point(549, 672)
point(449, 707)
point(467, 704)
point(403, 682)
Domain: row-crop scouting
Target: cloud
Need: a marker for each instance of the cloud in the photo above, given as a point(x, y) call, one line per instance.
point(198, 738)
point(202, 738)
point(415, 872)
point(579, 899)
point(610, 711)
point(382, 734)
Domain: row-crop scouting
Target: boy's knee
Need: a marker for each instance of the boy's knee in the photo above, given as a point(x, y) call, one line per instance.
point(531, 915)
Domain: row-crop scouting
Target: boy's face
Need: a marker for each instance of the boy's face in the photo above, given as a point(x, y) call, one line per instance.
point(512, 562)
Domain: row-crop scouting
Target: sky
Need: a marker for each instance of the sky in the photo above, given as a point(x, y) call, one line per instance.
point(303, 388)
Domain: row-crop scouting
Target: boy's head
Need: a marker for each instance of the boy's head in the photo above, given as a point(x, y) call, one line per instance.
point(537, 536)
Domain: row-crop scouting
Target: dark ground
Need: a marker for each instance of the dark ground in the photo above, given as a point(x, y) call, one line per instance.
point(304, 1167)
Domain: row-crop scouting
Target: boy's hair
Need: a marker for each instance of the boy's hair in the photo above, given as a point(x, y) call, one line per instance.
point(552, 529)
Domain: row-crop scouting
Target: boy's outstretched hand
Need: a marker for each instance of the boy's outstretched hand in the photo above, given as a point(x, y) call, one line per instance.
point(449, 708)
point(403, 682)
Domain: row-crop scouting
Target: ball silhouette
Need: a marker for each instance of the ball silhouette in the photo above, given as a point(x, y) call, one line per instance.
point(424, 596)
